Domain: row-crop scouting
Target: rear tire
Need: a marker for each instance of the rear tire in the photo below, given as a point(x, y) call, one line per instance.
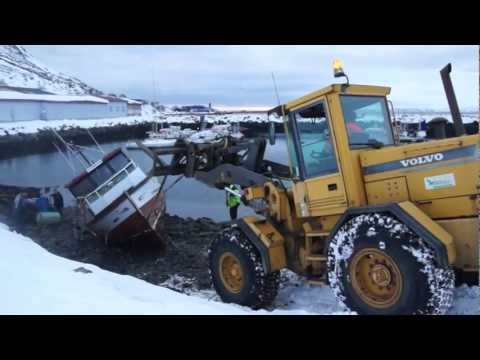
point(376, 265)
point(237, 272)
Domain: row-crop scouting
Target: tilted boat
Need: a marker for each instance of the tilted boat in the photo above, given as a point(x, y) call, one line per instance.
point(117, 199)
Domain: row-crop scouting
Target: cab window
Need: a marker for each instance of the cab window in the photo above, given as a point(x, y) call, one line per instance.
point(367, 120)
point(315, 143)
point(292, 153)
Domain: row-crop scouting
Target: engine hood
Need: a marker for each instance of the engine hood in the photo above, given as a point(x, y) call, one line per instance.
point(398, 160)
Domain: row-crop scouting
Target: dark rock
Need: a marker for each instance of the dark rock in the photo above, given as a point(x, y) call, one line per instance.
point(83, 270)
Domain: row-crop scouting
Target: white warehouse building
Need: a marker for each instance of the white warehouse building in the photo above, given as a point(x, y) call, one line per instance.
point(31, 104)
point(117, 107)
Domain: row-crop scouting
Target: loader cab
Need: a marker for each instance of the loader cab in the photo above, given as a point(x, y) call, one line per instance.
point(326, 131)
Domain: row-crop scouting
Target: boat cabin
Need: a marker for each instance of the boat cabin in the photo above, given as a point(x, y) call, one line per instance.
point(106, 181)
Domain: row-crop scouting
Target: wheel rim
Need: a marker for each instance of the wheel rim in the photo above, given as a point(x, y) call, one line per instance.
point(376, 278)
point(231, 272)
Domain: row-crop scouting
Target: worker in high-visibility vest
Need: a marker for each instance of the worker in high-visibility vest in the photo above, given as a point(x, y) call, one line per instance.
point(233, 199)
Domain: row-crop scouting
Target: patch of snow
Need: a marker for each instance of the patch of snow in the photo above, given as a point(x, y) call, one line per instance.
point(296, 293)
point(31, 127)
point(180, 284)
point(439, 280)
point(244, 108)
point(466, 301)
point(340, 250)
point(371, 232)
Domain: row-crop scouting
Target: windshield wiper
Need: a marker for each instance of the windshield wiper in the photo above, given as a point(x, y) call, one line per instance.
point(372, 143)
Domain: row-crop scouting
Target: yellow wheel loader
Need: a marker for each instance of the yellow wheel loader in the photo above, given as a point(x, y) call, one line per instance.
point(387, 225)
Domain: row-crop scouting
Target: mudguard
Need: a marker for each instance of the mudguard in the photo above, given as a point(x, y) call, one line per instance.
point(417, 221)
point(268, 241)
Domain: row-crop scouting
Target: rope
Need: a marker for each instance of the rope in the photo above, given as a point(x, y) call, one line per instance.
point(173, 184)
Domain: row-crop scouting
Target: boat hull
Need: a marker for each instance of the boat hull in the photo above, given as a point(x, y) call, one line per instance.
point(131, 215)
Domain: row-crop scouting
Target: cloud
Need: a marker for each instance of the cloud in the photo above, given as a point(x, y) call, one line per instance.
point(236, 75)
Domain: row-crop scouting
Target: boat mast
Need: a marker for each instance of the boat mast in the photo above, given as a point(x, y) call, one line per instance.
point(75, 150)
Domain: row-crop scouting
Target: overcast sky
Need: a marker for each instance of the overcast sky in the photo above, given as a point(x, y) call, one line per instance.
point(241, 75)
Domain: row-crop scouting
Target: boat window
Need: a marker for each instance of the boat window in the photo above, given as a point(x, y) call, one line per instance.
point(92, 197)
point(83, 187)
point(131, 167)
point(105, 188)
point(118, 162)
point(101, 174)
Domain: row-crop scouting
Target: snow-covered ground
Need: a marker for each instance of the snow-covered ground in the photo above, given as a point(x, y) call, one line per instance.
point(148, 115)
point(34, 281)
point(467, 117)
point(31, 127)
point(245, 108)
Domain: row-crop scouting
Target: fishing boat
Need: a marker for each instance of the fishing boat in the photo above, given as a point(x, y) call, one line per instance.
point(117, 199)
point(164, 137)
point(169, 137)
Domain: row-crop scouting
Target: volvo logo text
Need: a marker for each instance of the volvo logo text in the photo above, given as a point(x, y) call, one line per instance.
point(422, 160)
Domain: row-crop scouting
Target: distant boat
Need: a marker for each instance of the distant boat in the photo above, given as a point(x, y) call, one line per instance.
point(168, 137)
point(162, 137)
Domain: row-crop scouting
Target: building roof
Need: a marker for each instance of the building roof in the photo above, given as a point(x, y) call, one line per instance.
point(113, 98)
point(132, 102)
point(24, 90)
point(12, 95)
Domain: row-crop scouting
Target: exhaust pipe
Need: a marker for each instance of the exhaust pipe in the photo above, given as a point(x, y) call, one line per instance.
point(452, 100)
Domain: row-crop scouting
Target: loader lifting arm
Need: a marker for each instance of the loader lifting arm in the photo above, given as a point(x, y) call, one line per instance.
point(231, 161)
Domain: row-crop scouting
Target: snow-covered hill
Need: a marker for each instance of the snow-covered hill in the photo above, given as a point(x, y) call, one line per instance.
point(34, 281)
point(20, 69)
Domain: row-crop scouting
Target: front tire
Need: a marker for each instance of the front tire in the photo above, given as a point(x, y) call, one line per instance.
point(237, 272)
point(377, 265)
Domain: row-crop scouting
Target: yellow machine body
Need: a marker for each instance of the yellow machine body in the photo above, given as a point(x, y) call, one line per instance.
point(433, 182)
